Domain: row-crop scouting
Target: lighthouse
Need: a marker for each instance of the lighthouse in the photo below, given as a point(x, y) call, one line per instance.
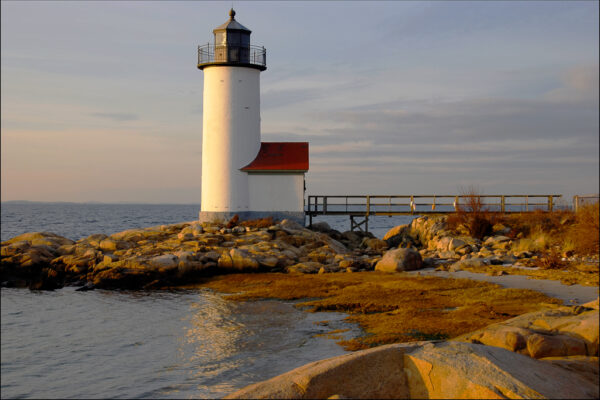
point(240, 174)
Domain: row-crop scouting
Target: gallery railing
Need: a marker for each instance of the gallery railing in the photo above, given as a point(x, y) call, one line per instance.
point(230, 54)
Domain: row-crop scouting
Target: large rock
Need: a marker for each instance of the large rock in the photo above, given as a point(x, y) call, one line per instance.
point(164, 261)
point(397, 230)
point(564, 331)
point(241, 260)
point(540, 345)
point(41, 238)
point(404, 259)
point(426, 370)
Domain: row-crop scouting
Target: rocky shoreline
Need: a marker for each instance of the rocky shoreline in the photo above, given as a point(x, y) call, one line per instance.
point(171, 255)
point(545, 354)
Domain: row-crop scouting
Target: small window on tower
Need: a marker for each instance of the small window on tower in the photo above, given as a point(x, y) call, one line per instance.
point(220, 39)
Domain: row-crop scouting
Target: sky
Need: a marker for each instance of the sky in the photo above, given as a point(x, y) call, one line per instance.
point(102, 101)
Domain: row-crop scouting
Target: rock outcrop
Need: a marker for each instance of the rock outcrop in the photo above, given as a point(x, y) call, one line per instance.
point(426, 370)
point(495, 362)
point(181, 253)
point(448, 250)
point(565, 331)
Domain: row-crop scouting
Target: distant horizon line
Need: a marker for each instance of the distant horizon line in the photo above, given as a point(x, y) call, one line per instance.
point(90, 202)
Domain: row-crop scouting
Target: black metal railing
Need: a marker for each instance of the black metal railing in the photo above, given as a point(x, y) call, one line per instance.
point(252, 55)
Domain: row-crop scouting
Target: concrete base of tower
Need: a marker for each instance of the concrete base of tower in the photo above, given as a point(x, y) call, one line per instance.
point(224, 216)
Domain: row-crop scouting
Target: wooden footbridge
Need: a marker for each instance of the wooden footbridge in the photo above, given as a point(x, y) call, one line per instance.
point(361, 207)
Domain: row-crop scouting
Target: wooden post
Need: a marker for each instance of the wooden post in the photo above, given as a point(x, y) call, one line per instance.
point(527, 203)
point(502, 204)
point(550, 203)
point(324, 204)
point(368, 206)
point(575, 202)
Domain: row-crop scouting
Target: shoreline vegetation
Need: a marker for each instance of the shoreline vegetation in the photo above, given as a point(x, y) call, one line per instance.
point(390, 308)
point(362, 276)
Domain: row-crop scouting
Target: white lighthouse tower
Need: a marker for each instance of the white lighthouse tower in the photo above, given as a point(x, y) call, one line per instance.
point(234, 179)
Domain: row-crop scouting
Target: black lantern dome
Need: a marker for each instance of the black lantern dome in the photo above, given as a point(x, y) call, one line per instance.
point(232, 47)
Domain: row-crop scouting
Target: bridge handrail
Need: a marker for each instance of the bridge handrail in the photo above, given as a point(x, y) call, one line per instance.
point(316, 207)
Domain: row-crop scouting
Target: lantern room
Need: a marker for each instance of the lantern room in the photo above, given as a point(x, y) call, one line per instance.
point(232, 47)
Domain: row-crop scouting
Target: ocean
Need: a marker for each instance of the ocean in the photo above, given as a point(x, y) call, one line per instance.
point(148, 344)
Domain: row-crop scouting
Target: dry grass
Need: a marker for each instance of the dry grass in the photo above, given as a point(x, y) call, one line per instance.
point(583, 235)
point(536, 222)
point(570, 232)
point(391, 308)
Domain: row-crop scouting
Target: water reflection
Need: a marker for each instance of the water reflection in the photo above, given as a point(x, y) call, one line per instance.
point(182, 344)
point(232, 344)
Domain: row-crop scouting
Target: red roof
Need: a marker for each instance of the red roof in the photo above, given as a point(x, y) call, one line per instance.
point(280, 156)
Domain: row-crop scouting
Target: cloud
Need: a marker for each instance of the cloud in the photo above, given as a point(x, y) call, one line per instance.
point(119, 117)
point(472, 120)
point(578, 84)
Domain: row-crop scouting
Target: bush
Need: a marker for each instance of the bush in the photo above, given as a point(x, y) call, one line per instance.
point(551, 260)
point(472, 215)
point(583, 235)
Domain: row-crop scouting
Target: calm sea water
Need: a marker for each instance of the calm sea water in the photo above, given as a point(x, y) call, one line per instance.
point(79, 220)
point(147, 344)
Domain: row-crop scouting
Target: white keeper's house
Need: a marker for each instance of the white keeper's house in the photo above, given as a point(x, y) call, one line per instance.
point(240, 174)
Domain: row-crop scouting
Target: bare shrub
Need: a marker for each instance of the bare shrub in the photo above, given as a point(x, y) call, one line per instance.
point(550, 260)
point(233, 221)
point(472, 215)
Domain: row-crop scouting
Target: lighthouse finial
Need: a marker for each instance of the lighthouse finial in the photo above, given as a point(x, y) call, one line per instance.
point(232, 14)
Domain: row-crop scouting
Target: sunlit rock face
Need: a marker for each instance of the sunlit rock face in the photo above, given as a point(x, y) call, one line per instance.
point(403, 259)
point(504, 360)
point(563, 332)
point(426, 370)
